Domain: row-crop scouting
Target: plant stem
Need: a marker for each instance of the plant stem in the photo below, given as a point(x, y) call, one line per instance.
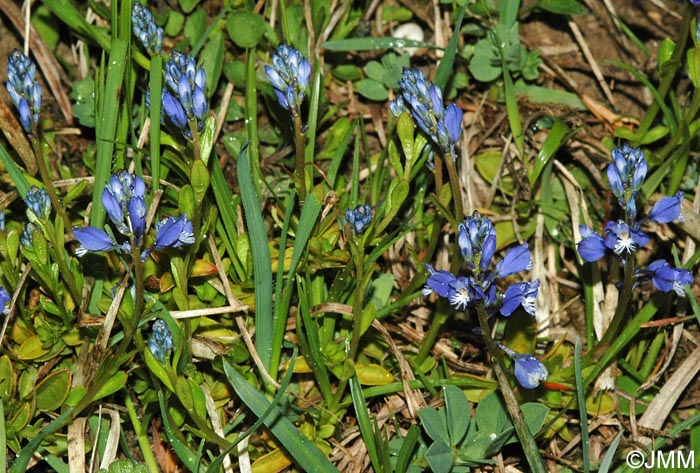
point(299, 170)
point(526, 440)
point(455, 185)
point(141, 434)
point(48, 182)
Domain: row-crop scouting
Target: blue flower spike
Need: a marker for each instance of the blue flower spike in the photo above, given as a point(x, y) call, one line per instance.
point(626, 174)
point(24, 89)
point(477, 242)
point(425, 102)
point(183, 98)
point(38, 203)
point(289, 76)
point(359, 218)
point(529, 371)
point(145, 29)
point(124, 201)
point(160, 343)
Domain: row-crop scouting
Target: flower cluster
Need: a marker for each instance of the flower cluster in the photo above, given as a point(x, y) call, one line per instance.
point(289, 75)
point(477, 242)
point(424, 100)
point(160, 343)
point(124, 201)
point(144, 27)
point(622, 237)
point(183, 97)
point(24, 89)
point(359, 218)
point(529, 371)
point(38, 211)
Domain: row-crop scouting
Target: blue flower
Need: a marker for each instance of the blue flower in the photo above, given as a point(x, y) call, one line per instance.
point(93, 239)
point(38, 203)
point(424, 100)
point(592, 246)
point(185, 84)
point(160, 343)
point(124, 201)
point(621, 238)
point(516, 260)
point(477, 242)
point(520, 294)
point(667, 209)
point(529, 371)
point(24, 89)
point(4, 299)
point(172, 232)
point(359, 218)
point(289, 75)
point(666, 278)
point(144, 28)
point(626, 173)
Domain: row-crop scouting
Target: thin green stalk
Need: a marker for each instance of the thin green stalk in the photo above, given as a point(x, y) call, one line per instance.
point(56, 236)
point(299, 170)
point(141, 435)
point(455, 185)
point(524, 435)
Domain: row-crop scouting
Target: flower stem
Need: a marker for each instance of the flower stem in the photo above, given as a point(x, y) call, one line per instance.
point(299, 170)
point(516, 415)
point(57, 238)
point(455, 185)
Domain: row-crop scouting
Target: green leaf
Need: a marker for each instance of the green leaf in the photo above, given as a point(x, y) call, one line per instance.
point(373, 375)
point(556, 137)
point(561, 7)
point(372, 90)
point(245, 28)
point(534, 414)
point(434, 424)
point(440, 457)
point(262, 265)
point(375, 70)
point(53, 390)
point(199, 177)
point(457, 408)
point(13, 170)
point(491, 415)
point(374, 44)
point(445, 68)
point(24, 456)
point(195, 26)
point(483, 65)
point(113, 384)
point(7, 379)
point(188, 6)
point(304, 452)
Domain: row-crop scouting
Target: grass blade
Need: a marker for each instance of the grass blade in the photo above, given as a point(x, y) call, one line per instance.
point(585, 446)
point(304, 452)
point(446, 64)
point(374, 44)
point(365, 423)
point(262, 266)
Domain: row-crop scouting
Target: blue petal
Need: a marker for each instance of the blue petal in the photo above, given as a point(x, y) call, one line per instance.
point(93, 239)
point(438, 281)
point(512, 298)
point(453, 122)
point(517, 259)
point(488, 249)
point(529, 371)
point(174, 111)
point(667, 209)
point(591, 248)
point(615, 181)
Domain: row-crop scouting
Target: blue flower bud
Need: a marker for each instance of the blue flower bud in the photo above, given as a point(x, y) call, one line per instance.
point(666, 278)
point(160, 343)
point(24, 89)
point(289, 76)
point(145, 29)
point(359, 218)
point(39, 203)
point(529, 371)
